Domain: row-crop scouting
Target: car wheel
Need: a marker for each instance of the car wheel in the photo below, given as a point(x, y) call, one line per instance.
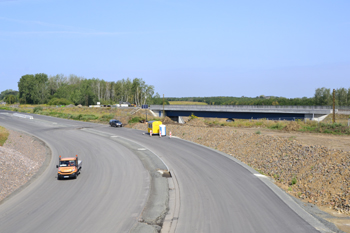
point(58, 178)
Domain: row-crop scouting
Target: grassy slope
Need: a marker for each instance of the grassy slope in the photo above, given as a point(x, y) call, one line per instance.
point(3, 135)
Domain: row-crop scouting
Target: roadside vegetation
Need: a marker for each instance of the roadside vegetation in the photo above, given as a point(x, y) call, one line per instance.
point(133, 115)
point(3, 135)
point(327, 127)
point(82, 113)
point(322, 97)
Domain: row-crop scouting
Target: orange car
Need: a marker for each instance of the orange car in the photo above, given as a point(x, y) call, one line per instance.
point(69, 167)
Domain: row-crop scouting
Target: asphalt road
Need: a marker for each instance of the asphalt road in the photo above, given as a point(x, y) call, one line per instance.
point(216, 193)
point(108, 195)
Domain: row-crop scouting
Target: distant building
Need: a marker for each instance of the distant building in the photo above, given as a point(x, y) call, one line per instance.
point(121, 102)
point(2, 103)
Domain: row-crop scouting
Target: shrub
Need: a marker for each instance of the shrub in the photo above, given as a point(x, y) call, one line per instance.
point(76, 117)
point(37, 109)
point(277, 126)
point(258, 132)
point(106, 117)
point(135, 120)
point(193, 116)
point(88, 117)
point(62, 101)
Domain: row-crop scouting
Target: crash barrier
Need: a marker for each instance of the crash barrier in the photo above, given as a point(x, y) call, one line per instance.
point(23, 116)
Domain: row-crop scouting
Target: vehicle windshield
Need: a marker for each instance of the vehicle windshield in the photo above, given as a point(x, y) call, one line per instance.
point(68, 163)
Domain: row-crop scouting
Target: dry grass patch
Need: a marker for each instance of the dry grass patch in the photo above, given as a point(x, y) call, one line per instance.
point(3, 135)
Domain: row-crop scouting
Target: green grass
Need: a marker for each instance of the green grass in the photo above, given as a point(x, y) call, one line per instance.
point(3, 135)
point(135, 120)
point(106, 117)
point(277, 126)
point(37, 109)
point(261, 172)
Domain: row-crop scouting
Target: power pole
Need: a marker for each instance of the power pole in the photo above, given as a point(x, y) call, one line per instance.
point(333, 106)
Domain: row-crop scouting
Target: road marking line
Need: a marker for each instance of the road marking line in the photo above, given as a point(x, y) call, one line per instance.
point(114, 136)
point(260, 175)
point(23, 116)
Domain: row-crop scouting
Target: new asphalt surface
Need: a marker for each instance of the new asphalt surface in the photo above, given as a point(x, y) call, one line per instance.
point(216, 193)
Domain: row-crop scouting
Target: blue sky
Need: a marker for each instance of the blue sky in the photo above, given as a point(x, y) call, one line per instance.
point(183, 48)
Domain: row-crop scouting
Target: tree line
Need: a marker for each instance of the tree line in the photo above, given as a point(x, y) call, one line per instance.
point(59, 89)
point(9, 96)
point(322, 97)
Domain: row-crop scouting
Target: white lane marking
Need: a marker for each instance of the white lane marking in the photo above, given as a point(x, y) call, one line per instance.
point(141, 149)
point(114, 136)
point(23, 116)
point(260, 175)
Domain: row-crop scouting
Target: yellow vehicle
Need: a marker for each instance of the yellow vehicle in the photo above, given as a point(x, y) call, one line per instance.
point(154, 126)
point(69, 167)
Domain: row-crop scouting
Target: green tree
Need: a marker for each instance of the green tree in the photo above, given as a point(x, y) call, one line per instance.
point(323, 96)
point(32, 88)
point(26, 86)
point(7, 92)
point(341, 96)
point(10, 99)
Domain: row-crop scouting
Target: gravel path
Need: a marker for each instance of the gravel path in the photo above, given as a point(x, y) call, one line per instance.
point(20, 158)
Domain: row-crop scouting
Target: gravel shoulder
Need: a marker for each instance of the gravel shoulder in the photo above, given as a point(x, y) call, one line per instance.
point(22, 158)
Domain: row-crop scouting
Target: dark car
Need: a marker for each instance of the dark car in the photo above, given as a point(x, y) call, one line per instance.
point(115, 123)
point(230, 120)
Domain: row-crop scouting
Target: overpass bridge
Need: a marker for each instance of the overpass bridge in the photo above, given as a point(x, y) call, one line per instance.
point(244, 111)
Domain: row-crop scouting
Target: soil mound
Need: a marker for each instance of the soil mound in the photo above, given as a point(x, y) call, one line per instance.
point(167, 120)
point(196, 122)
point(292, 126)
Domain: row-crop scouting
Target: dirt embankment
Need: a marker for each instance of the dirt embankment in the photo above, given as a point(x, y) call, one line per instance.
point(20, 158)
point(314, 173)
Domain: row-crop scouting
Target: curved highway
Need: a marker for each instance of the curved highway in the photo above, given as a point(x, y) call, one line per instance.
point(108, 195)
point(216, 193)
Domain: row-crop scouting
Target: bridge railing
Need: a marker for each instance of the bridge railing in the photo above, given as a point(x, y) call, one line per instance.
point(239, 107)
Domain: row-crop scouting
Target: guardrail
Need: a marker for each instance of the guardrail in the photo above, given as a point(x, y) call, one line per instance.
point(23, 116)
point(242, 107)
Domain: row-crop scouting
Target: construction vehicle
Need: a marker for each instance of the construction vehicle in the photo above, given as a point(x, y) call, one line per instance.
point(69, 167)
